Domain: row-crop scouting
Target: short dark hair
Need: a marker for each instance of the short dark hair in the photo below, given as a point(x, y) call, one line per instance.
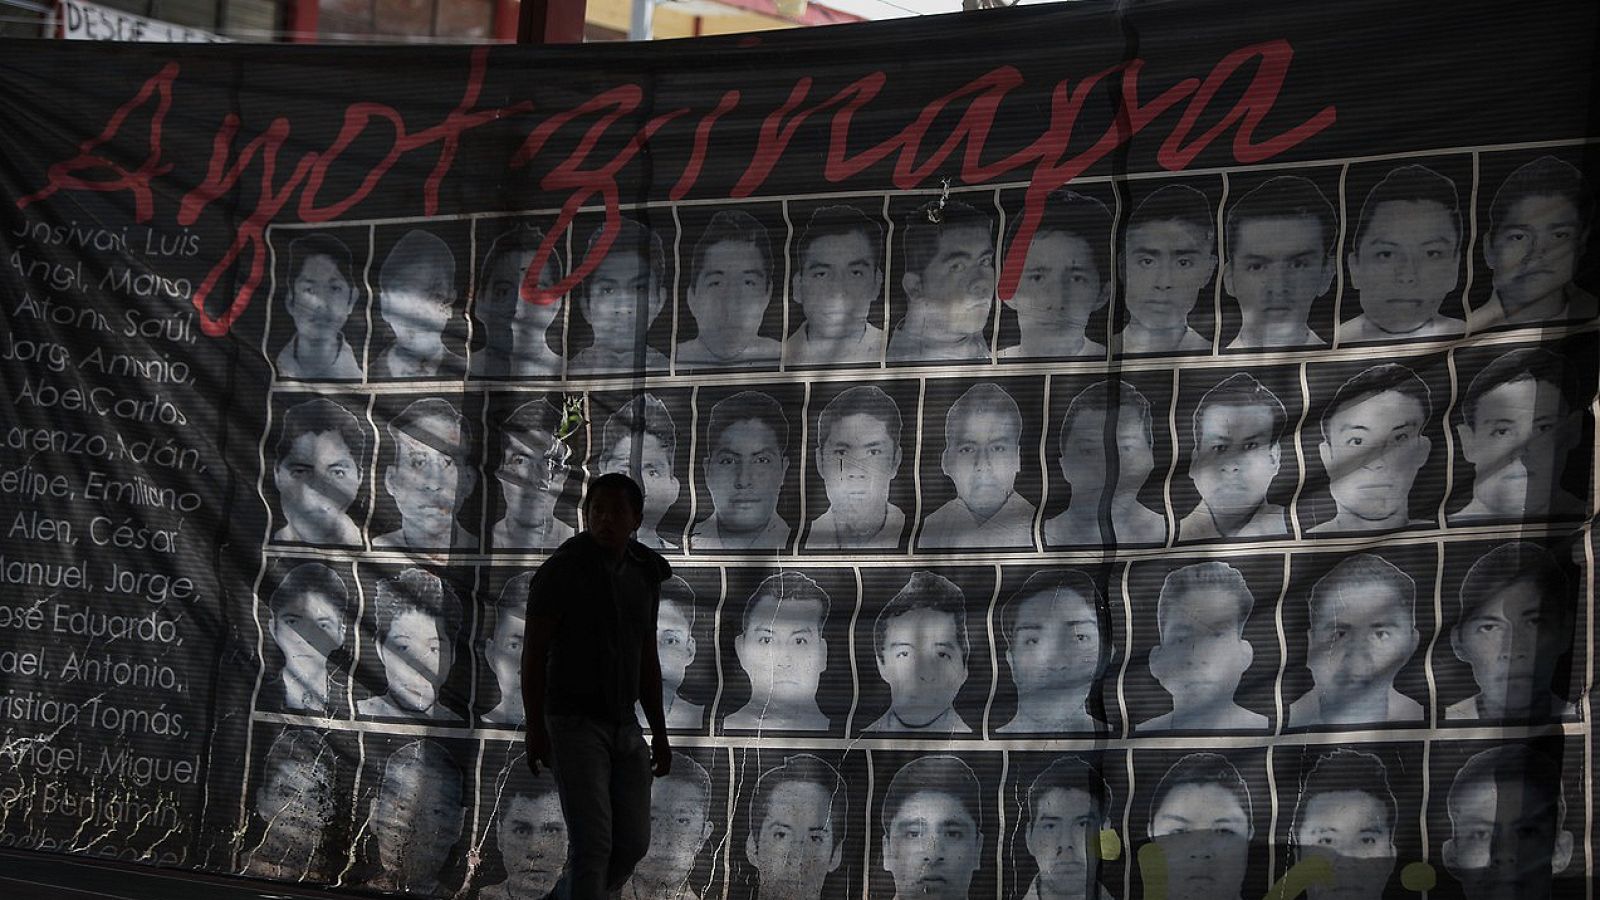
point(1097, 398)
point(1347, 770)
point(416, 249)
point(732, 226)
point(925, 590)
point(1409, 184)
point(1535, 771)
point(943, 773)
point(985, 396)
point(308, 578)
point(802, 768)
point(513, 598)
point(1175, 203)
point(320, 243)
point(300, 750)
point(524, 238)
point(1070, 773)
point(1284, 197)
point(839, 220)
point(1523, 364)
point(432, 757)
point(865, 400)
point(643, 416)
point(1077, 216)
point(1356, 573)
point(1055, 582)
point(1239, 390)
point(1209, 574)
point(430, 407)
point(748, 406)
point(322, 416)
point(535, 415)
point(633, 237)
point(920, 240)
point(1201, 769)
point(1370, 382)
point(414, 590)
point(688, 770)
point(1542, 177)
point(616, 481)
point(678, 592)
point(1514, 562)
point(787, 587)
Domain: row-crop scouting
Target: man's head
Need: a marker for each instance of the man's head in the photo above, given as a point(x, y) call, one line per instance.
point(503, 648)
point(417, 288)
point(780, 644)
point(1373, 443)
point(641, 440)
point(622, 296)
point(1508, 836)
point(920, 641)
point(613, 509)
point(499, 303)
point(532, 837)
point(296, 796)
point(1106, 407)
point(533, 463)
point(1346, 815)
point(858, 451)
point(321, 285)
point(307, 617)
point(1068, 806)
point(1201, 614)
point(680, 822)
point(1519, 421)
point(1282, 239)
point(949, 275)
point(1066, 276)
point(430, 470)
point(675, 644)
point(1169, 254)
point(1407, 252)
point(983, 447)
point(1057, 629)
point(418, 619)
point(418, 811)
point(1237, 429)
point(1539, 224)
point(730, 279)
point(1516, 625)
point(1362, 627)
point(1200, 818)
point(322, 453)
point(799, 813)
point(746, 461)
point(839, 269)
point(932, 819)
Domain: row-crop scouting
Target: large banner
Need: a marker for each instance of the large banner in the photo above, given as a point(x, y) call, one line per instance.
point(1135, 454)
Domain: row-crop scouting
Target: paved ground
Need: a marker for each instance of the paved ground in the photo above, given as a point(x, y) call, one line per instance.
point(52, 876)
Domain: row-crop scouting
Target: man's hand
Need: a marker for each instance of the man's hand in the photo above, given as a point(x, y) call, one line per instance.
point(660, 754)
point(538, 747)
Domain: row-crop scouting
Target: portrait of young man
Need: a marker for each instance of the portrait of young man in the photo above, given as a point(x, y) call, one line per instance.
point(1373, 446)
point(415, 819)
point(322, 458)
point(1346, 815)
point(322, 293)
point(1521, 417)
point(1057, 631)
point(799, 815)
point(730, 288)
point(1069, 805)
point(1540, 223)
point(417, 621)
point(417, 294)
point(746, 462)
point(680, 824)
point(1406, 258)
point(1103, 413)
point(640, 440)
point(1282, 241)
point(982, 456)
point(1168, 257)
point(533, 470)
point(620, 300)
point(531, 837)
point(919, 641)
point(932, 821)
point(294, 807)
point(1200, 822)
point(307, 622)
point(676, 648)
point(1237, 429)
point(858, 455)
point(1066, 278)
point(1202, 653)
point(948, 282)
point(429, 476)
point(783, 653)
point(502, 651)
point(1509, 837)
point(1362, 633)
point(838, 277)
point(516, 330)
point(1517, 620)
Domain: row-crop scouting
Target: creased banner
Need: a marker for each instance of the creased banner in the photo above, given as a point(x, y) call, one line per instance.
point(1135, 454)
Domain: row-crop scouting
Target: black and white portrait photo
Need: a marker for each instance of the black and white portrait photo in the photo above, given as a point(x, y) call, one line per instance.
point(858, 453)
point(1057, 634)
point(1200, 825)
point(1347, 815)
point(781, 646)
point(1282, 255)
point(1541, 221)
point(639, 437)
point(931, 825)
point(321, 293)
point(525, 848)
point(1169, 255)
point(416, 624)
point(684, 813)
point(417, 297)
point(1510, 830)
point(1066, 282)
point(1107, 442)
point(429, 472)
point(517, 329)
point(532, 474)
point(308, 616)
point(729, 293)
point(982, 458)
point(415, 819)
point(620, 301)
point(502, 653)
point(321, 468)
point(948, 284)
point(799, 819)
point(1066, 810)
point(1236, 460)
point(746, 464)
point(677, 647)
point(1405, 259)
point(924, 651)
point(838, 286)
point(292, 837)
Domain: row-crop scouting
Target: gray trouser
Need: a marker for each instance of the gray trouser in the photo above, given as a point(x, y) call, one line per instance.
point(602, 773)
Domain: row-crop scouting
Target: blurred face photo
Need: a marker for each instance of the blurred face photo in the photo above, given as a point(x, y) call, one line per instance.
point(503, 652)
point(621, 299)
point(1062, 837)
point(1060, 286)
point(1350, 829)
point(1084, 463)
point(1201, 656)
point(782, 652)
point(533, 840)
point(307, 630)
point(428, 484)
point(320, 298)
point(1535, 251)
point(837, 282)
point(1513, 643)
point(416, 305)
point(1167, 263)
point(730, 295)
point(956, 289)
point(793, 847)
point(1277, 270)
point(532, 474)
point(317, 481)
point(416, 819)
point(416, 656)
point(652, 470)
point(857, 460)
point(1205, 833)
point(1505, 843)
point(1236, 458)
point(500, 305)
point(932, 847)
point(1406, 264)
point(982, 455)
point(1372, 452)
point(923, 664)
point(1518, 447)
point(674, 643)
point(679, 826)
point(744, 473)
point(1055, 644)
point(296, 803)
point(1360, 637)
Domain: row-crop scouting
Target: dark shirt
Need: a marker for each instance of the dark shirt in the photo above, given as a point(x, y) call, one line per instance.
point(603, 610)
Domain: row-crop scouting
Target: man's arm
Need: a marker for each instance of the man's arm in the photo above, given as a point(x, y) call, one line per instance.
point(650, 702)
point(535, 656)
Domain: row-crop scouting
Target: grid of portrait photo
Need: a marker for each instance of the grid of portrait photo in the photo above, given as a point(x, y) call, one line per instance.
point(1243, 544)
